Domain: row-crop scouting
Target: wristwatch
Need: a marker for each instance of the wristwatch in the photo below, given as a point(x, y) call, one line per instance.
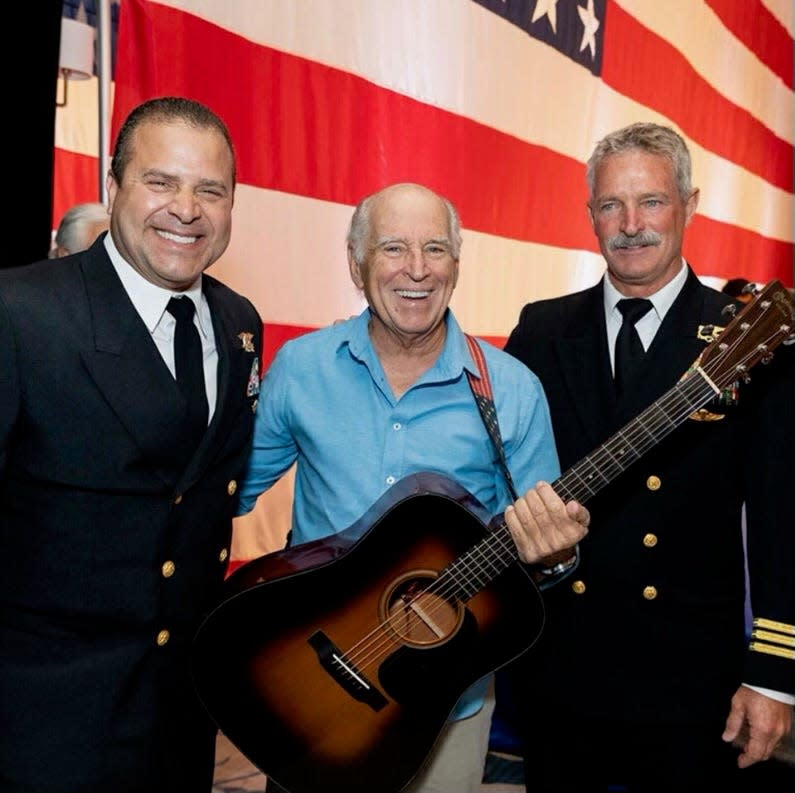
point(560, 567)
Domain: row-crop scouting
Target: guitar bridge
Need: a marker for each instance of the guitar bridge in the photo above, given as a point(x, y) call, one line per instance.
point(345, 673)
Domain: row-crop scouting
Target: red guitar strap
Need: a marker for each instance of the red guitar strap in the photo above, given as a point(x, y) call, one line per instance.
point(484, 399)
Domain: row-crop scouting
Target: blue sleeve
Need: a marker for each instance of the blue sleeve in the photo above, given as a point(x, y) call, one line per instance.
point(274, 448)
point(530, 446)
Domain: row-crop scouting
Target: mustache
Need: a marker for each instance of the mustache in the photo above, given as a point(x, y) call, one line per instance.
point(639, 240)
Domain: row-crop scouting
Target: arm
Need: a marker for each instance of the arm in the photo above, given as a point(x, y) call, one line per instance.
point(760, 713)
point(274, 448)
point(9, 385)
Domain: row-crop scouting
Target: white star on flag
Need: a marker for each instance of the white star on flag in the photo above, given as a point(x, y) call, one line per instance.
point(547, 8)
point(590, 25)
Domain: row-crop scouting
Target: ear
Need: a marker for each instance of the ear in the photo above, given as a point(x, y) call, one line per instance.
point(356, 272)
point(112, 188)
point(691, 205)
point(590, 215)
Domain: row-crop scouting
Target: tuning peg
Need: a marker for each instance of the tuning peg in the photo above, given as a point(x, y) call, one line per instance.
point(729, 310)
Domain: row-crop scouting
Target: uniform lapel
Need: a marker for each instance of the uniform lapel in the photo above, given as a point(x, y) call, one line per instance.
point(234, 363)
point(128, 369)
point(585, 363)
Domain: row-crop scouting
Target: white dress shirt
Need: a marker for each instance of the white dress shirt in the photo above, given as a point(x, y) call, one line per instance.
point(150, 302)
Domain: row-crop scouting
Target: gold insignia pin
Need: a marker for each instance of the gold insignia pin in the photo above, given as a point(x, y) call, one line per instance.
point(709, 333)
point(248, 341)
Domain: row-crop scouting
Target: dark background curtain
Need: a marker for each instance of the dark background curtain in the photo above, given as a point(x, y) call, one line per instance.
point(31, 157)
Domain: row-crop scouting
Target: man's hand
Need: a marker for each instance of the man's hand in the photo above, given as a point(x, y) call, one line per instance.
point(542, 525)
point(768, 722)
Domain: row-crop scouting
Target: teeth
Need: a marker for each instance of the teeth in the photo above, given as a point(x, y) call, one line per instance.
point(182, 240)
point(412, 294)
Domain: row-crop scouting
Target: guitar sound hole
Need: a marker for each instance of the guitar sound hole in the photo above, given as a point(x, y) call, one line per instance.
point(416, 610)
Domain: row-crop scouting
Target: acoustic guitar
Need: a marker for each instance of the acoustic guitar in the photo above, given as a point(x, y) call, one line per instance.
point(334, 665)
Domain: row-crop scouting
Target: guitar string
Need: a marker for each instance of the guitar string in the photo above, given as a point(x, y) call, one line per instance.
point(435, 599)
point(435, 594)
point(443, 594)
point(431, 596)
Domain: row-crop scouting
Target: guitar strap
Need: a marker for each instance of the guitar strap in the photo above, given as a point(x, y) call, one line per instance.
point(484, 399)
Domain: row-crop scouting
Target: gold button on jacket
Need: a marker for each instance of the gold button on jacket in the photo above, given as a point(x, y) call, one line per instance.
point(168, 569)
point(650, 592)
point(163, 637)
point(653, 483)
point(578, 587)
point(650, 540)
point(231, 488)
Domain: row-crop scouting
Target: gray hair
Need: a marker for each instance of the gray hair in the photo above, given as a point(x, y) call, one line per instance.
point(74, 226)
point(650, 138)
point(359, 231)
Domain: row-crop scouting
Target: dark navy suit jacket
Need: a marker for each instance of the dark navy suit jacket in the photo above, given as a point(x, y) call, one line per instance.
point(114, 538)
point(650, 627)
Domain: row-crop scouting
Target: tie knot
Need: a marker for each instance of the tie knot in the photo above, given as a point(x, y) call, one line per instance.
point(633, 308)
point(181, 308)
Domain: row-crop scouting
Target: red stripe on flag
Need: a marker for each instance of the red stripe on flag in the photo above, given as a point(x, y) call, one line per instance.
point(722, 250)
point(653, 72)
point(308, 129)
point(752, 23)
point(316, 131)
point(274, 335)
point(75, 181)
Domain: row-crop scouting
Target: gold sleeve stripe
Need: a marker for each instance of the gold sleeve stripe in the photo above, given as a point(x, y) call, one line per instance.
point(770, 649)
point(772, 625)
point(787, 641)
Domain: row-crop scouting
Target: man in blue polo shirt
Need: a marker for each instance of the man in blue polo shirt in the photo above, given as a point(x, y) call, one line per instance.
point(363, 403)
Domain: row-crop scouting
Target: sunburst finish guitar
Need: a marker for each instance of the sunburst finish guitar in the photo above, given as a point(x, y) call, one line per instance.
point(334, 665)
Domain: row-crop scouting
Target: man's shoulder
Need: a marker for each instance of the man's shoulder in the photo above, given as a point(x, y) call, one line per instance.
point(226, 296)
point(502, 365)
point(542, 321)
point(318, 344)
point(40, 281)
point(562, 305)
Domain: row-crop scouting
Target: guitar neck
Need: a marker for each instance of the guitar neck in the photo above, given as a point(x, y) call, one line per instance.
point(482, 563)
point(588, 476)
point(749, 338)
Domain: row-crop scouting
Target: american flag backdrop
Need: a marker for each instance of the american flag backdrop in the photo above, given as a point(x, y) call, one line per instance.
point(494, 103)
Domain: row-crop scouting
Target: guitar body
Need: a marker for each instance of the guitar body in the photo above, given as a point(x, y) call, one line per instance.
point(325, 667)
point(334, 665)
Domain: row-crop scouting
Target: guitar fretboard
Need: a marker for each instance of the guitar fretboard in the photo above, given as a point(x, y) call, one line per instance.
point(476, 568)
point(750, 337)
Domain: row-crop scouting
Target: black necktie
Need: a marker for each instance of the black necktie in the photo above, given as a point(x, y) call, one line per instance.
point(189, 366)
point(629, 350)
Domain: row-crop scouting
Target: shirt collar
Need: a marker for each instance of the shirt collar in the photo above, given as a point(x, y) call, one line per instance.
point(454, 358)
point(661, 300)
point(150, 300)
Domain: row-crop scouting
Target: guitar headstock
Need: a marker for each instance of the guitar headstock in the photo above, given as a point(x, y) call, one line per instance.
point(750, 337)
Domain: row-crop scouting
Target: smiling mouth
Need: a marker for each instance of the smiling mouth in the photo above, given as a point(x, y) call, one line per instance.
point(412, 294)
point(180, 239)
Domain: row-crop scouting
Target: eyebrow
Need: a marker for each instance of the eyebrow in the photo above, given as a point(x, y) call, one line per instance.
point(434, 241)
point(170, 177)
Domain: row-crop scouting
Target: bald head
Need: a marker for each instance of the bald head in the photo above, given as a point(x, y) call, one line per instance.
point(398, 196)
